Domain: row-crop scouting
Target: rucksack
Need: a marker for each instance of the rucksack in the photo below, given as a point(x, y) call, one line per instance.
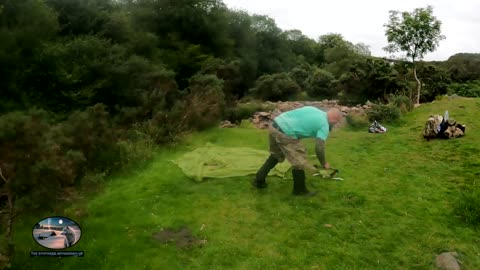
point(439, 127)
point(432, 127)
point(376, 127)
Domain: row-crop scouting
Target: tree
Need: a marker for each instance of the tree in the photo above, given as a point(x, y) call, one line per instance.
point(415, 33)
point(271, 45)
point(20, 23)
point(435, 81)
point(321, 83)
point(275, 87)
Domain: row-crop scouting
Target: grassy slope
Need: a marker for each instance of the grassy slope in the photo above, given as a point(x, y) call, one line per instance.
point(393, 211)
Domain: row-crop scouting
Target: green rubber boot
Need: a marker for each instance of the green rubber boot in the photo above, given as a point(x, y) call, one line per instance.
point(259, 181)
point(299, 187)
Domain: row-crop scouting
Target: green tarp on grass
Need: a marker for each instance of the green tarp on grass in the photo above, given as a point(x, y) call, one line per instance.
point(214, 161)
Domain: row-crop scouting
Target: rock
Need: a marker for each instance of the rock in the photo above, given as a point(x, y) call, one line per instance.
point(447, 261)
point(275, 113)
point(283, 107)
point(264, 125)
point(226, 124)
point(345, 109)
point(454, 96)
point(263, 119)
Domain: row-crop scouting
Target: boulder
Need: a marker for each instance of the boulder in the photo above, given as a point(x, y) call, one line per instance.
point(345, 109)
point(447, 261)
point(226, 124)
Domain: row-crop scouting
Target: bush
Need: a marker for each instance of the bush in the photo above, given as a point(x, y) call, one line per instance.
point(402, 102)
point(434, 81)
point(246, 110)
point(468, 207)
point(321, 83)
point(357, 121)
point(275, 87)
point(229, 72)
point(91, 133)
point(205, 104)
point(31, 162)
point(386, 113)
point(300, 75)
point(469, 89)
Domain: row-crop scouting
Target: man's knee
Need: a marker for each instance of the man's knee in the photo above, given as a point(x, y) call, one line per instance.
point(279, 157)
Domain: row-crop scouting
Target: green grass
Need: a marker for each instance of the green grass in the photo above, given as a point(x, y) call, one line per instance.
point(395, 209)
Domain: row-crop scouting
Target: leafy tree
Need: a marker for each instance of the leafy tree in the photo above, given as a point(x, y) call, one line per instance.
point(272, 51)
point(229, 72)
point(300, 74)
point(435, 81)
point(275, 87)
point(383, 79)
point(303, 48)
point(81, 17)
point(321, 83)
point(205, 103)
point(415, 33)
point(20, 25)
point(245, 47)
point(333, 40)
point(362, 49)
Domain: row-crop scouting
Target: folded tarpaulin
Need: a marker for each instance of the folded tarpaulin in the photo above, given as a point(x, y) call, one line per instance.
point(212, 161)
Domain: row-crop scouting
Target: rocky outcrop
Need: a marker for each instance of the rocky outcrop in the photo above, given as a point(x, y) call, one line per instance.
point(263, 119)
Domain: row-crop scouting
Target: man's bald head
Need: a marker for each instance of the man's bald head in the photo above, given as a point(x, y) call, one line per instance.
point(334, 116)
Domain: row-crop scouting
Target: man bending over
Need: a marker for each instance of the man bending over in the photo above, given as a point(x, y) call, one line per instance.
point(284, 138)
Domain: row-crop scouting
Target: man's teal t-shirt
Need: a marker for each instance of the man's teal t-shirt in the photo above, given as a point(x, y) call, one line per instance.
point(305, 122)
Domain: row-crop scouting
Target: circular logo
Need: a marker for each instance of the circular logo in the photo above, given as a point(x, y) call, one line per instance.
point(56, 232)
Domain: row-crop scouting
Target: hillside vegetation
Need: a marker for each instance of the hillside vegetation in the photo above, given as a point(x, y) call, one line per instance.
point(403, 201)
point(93, 88)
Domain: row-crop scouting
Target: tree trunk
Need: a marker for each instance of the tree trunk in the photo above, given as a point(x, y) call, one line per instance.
point(10, 221)
point(419, 86)
point(11, 214)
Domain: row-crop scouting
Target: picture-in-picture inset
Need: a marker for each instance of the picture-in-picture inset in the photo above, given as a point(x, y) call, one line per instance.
point(56, 232)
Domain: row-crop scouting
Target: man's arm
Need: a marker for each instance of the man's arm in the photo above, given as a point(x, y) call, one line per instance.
point(320, 151)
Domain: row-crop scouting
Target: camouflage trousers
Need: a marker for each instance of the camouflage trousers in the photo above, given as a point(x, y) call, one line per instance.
point(282, 146)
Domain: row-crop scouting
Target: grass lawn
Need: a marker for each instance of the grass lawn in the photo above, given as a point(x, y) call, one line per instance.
point(394, 210)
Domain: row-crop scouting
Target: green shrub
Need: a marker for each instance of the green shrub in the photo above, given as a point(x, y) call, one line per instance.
point(300, 75)
point(435, 81)
point(468, 207)
point(91, 133)
point(468, 89)
point(402, 102)
point(246, 110)
point(302, 96)
point(357, 121)
point(30, 160)
point(385, 113)
point(275, 87)
point(204, 106)
point(321, 83)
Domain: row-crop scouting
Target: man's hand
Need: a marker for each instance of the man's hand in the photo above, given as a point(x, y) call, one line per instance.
point(320, 152)
point(326, 166)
